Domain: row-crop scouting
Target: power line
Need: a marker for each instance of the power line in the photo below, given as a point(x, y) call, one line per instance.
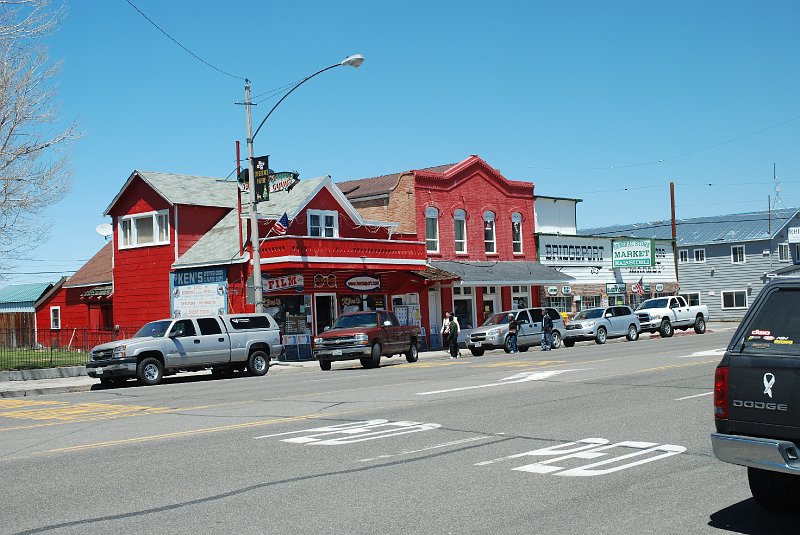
point(183, 47)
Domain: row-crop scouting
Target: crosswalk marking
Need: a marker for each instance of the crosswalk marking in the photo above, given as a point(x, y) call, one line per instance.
point(80, 412)
point(14, 403)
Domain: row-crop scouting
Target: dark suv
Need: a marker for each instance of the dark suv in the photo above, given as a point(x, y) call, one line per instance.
point(757, 397)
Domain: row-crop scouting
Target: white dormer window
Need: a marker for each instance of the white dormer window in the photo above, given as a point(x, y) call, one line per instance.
point(323, 223)
point(142, 230)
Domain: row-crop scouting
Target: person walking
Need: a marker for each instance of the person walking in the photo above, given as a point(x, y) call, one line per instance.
point(513, 329)
point(452, 336)
point(547, 331)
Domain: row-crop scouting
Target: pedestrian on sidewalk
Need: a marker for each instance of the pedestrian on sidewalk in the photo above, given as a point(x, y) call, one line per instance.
point(452, 335)
point(513, 329)
point(547, 331)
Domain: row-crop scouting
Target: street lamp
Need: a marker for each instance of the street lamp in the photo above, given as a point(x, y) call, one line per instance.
point(350, 61)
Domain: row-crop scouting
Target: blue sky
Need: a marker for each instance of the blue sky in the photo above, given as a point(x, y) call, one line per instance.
point(604, 101)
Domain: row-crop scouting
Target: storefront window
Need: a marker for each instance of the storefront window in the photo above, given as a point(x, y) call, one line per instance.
point(590, 301)
point(359, 302)
point(520, 298)
point(463, 311)
point(562, 304)
point(292, 312)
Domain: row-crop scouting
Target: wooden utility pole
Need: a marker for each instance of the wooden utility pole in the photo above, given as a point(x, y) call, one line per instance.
point(674, 232)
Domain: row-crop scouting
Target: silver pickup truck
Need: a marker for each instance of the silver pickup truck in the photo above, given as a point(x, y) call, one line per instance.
point(223, 343)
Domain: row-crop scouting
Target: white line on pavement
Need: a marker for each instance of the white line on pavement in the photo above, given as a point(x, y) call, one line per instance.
point(409, 452)
point(518, 378)
point(718, 352)
point(695, 396)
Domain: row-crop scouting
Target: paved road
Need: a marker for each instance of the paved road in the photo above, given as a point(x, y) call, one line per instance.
point(591, 439)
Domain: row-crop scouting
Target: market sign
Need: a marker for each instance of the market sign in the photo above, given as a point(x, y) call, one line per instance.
point(363, 283)
point(616, 289)
point(633, 253)
point(277, 284)
point(794, 234)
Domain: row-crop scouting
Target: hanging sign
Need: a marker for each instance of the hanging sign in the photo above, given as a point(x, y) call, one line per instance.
point(261, 175)
point(552, 290)
point(363, 283)
point(566, 290)
point(282, 181)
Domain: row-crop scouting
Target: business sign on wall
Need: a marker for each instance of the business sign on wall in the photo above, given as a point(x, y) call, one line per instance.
point(289, 282)
point(573, 250)
point(616, 289)
point(628, 253)
point(794, 234)
point(363, 283)
point(198, 292)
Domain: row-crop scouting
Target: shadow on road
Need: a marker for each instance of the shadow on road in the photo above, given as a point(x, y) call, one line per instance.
point(748, 517)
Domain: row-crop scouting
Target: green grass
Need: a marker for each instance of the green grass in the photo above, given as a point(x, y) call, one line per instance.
point(26, 359)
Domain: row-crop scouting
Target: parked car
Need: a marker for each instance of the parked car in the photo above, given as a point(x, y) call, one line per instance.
point(366, 336)
point(757, 395)
point(493, 334)
point(164, 347)
point(665, 314)
point(600, 324)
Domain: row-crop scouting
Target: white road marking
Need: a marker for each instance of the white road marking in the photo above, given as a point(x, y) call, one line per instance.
point(348, 433)
point(695, 396)
point(518, 378)
point(409, 452)
point(707, 353)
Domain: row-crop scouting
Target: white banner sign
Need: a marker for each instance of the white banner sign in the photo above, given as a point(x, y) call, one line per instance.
point(794, 234)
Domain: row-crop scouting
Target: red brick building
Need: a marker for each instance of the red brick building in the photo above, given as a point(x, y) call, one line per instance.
point(475, 223)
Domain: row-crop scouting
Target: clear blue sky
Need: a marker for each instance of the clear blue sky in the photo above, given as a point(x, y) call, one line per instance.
point(571, 96)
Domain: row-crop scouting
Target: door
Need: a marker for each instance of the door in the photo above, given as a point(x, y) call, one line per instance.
point(525, 332)
point(435, 317)
point(394, 333)
point(619, 323)
point(215, 344)
point(324, 311)
point(536, 326)
point(183, 344)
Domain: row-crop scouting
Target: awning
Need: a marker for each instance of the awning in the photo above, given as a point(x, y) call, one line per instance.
point(502, 273)
point(435, 274)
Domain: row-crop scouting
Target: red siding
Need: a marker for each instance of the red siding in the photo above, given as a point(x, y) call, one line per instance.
point(194, 222)
point(75, 313)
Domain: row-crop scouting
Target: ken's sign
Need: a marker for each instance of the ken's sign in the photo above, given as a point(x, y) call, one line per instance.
point(633, 253)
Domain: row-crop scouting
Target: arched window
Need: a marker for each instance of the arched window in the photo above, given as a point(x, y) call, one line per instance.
point(516, 232)
point(432, 229)
point(489, 238)
point(460, 218)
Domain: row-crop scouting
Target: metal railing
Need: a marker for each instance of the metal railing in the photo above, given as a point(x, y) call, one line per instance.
point(48, 348)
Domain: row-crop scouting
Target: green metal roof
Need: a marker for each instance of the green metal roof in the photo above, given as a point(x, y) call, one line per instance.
point(22, 296)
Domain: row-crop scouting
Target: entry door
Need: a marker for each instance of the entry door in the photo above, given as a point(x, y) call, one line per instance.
point(325, 311)
point(435, 315)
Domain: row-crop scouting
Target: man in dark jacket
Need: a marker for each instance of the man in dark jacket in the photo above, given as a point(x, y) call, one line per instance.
point(547, 330)
point(452, 336)
point(513, 328)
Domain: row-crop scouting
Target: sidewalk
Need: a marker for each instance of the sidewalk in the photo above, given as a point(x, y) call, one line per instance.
point(27, 383)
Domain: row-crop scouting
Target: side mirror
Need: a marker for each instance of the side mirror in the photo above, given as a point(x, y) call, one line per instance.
point(172, 334)
point(609, 314)
point(387, 323)
point(326, 328)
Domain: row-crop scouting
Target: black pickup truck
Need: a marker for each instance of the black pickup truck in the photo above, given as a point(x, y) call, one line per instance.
point(757, 397)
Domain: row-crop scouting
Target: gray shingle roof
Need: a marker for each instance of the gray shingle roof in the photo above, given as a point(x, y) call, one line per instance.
point(220, 245)
point(502, 272)
point(288, 201)
point(730, 228)
point(186, 189)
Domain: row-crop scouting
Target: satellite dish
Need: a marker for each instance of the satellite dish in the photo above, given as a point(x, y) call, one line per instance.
point(104, 229)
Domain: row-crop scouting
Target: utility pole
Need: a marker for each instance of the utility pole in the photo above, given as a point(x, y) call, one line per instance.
point(674, 232)
point(258, 288)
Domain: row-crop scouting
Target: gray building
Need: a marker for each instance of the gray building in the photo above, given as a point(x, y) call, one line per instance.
point(724, 261)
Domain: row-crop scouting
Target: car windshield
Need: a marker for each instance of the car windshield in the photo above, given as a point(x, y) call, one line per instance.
point(367, 319)
point(592, 313)
point(154, 329)
point(653, 303)
point(497, 319)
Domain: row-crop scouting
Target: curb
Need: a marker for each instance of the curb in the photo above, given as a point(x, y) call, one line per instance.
point(23, 393)
point(42, 373)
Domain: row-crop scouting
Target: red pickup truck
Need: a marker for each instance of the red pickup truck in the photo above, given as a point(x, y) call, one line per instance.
point(366, 336)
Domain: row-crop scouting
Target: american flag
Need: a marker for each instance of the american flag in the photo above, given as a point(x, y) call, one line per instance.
point(282, 224)
point(639, 287)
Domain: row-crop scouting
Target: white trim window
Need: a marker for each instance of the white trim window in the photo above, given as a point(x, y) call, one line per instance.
point(55, 317)
point(460, 228)
point(516, 232)
point(520, 297)
point(489, 236)
point(432, 229)
point(783, 252)
point(144, 230)
point(692, 299)
point(734, 299)
point(737, 254)
point(683, 256)
point(323, 223)
point(700, 256)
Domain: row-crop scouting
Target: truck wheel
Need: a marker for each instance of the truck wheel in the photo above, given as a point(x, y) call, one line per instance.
point(477, 351)
point(149, 371)
point(412, 355)
point(376, 355)
point(699, 325)
point(600, 337)
point(666, 329)
point(325, 365)
point(633, 333)
point(258, 363)
point(555, 341)
point(569, 343)
point(773, 490)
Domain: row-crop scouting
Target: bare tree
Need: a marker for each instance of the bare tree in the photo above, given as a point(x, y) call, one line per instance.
point(34, 171)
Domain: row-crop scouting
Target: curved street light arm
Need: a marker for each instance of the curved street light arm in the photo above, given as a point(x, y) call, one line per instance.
point(304, 80)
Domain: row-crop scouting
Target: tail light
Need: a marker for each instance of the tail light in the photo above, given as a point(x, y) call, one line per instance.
point(721, 392)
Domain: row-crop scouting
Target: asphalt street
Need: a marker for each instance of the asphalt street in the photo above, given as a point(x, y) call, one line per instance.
point(590, 439)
